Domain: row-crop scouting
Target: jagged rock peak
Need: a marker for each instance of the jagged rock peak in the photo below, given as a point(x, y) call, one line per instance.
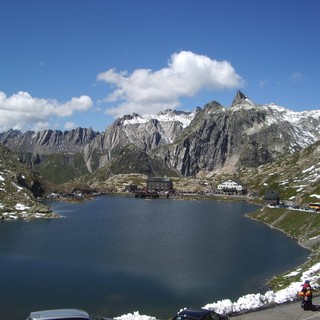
point(240, 99)
point(10, 134)
point(212, 106)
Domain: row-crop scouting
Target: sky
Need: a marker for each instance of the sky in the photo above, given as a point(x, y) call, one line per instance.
point(83, 63)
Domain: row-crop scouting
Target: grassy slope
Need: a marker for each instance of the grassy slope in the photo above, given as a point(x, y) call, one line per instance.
point(302, 226)
point(61, 168)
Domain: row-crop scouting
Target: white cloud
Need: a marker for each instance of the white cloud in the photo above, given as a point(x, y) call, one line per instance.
point(187, 73)
point(69, 125)
point(23, 112)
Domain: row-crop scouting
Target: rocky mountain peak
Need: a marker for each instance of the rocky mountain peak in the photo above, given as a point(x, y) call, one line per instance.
point(240, 99)
point(211, 106)
point(10, 134)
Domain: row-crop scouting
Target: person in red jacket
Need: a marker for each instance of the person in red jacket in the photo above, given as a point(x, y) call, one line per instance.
point(307, 296)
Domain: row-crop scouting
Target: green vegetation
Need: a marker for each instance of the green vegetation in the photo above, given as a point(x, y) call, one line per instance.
point(60, 168)
point(294, 223)
point(300, 225)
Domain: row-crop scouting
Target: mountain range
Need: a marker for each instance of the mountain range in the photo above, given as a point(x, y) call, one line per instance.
point(212, 139)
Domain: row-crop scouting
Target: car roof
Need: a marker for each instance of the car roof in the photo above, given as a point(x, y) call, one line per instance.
point(194, 313)
point(58, 313)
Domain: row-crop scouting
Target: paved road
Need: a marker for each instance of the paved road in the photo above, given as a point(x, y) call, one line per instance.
point(290, 311)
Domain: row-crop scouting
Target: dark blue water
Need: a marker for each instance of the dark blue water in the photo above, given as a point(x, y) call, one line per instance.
point(115, 255)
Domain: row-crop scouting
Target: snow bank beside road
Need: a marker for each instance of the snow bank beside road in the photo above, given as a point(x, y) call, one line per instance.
point(255, 301)
point(251, 301)
point(135, 316)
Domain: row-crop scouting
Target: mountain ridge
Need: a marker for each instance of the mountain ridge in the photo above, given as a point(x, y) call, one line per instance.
point(209, 139)
point(48, 141)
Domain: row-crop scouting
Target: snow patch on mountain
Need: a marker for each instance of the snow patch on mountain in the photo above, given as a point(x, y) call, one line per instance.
point(246, 104)
point(184, 118)
point(305, 124)
point(280, 113)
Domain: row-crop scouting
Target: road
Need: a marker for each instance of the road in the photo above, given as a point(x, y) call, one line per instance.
point(288, 311)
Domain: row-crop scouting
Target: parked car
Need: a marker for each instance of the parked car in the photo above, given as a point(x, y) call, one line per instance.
point(199, 314)
point(63, 314)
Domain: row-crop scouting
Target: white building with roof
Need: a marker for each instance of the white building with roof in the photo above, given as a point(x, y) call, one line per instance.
point(231, 186)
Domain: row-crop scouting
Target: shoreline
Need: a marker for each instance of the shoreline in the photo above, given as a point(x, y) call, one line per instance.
point(277, 296)
point(254, 302)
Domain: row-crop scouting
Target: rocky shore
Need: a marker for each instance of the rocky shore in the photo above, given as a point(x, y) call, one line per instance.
point(26, 212)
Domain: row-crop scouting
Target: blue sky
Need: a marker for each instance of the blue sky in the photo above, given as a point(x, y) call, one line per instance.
point(70, 63)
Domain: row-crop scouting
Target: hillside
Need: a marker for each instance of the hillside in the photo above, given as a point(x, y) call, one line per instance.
point(19, 188)
point(295, 176)
point(56, 155)
point(302, 226)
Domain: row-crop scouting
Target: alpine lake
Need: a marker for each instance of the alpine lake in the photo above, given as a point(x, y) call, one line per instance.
point(115, 255)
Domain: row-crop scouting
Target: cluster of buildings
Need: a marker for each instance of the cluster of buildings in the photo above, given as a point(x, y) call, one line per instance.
point(165, 185)
point(159, 185)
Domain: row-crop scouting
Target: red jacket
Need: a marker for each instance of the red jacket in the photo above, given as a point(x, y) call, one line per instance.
point(306, 289)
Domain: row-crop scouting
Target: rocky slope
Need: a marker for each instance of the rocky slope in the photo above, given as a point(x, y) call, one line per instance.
point(211, 139)
point(244, 135)
point(143, 133)
point(19, 188)
point(295, 176)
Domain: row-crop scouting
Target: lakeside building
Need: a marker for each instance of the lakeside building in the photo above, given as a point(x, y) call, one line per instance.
point(272, 197)
point(130, 187)
point(158, 184)
point(232, 187)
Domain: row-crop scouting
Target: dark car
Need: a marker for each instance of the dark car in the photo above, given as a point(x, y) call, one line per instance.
point(199, 314)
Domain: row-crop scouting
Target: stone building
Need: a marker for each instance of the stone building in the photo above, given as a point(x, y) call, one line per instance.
point(158, 184)
point(272, 197)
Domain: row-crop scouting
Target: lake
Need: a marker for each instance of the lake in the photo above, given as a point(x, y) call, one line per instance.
point(114, 255)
